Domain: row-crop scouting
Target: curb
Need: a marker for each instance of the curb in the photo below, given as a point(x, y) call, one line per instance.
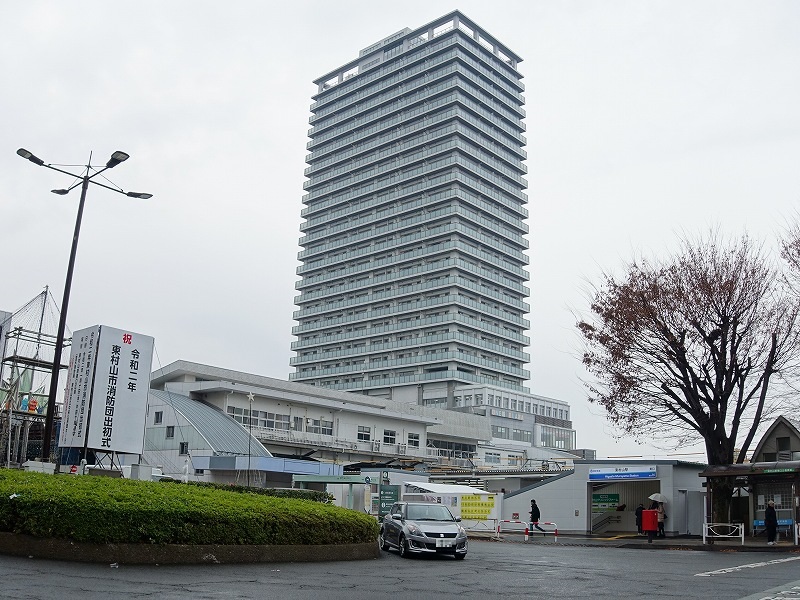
point(567, 540)
point(15, 544)
point(711, 548)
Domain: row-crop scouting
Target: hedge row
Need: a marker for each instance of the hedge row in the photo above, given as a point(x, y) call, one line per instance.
point(106, 510)
point(299, 494)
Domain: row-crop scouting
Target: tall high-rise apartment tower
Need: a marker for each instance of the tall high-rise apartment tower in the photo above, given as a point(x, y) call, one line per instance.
point(412, 283)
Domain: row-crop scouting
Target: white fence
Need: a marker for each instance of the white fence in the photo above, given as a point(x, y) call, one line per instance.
point(527, 527)
point(723, 530)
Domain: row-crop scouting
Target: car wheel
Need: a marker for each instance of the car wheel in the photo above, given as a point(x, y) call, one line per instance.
point(382, 541)
point(461, 556)
point(403, 546)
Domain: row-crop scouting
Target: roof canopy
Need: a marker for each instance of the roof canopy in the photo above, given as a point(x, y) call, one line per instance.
point(760, 469)
point(442, 488)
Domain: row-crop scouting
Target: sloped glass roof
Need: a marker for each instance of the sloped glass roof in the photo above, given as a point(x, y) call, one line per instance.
point(225, 435)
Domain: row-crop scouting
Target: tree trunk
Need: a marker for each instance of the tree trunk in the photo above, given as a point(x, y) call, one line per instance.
point(721, 496)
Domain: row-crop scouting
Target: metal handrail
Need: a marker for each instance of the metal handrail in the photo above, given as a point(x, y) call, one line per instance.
point(717, 530)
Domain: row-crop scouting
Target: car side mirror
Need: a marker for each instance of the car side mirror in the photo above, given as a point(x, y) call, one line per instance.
point(397, 516)
point(458, 519)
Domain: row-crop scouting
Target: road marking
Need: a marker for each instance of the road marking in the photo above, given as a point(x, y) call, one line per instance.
point(790, 590)
point(766, 563)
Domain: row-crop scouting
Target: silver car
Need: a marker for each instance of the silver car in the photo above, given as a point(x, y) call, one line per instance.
point(423, 528)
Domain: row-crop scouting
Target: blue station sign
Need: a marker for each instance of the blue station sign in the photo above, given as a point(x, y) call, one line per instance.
point(622, 472)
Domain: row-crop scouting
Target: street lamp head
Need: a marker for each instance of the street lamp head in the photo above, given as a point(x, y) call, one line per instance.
point(27, 155)
point(60, 192)
point(142, 195)
point(116, 158)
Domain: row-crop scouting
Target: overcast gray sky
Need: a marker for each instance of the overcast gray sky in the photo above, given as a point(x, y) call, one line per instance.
point(645, 120)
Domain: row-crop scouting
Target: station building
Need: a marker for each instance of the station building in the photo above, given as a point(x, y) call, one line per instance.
point(597, 496)
point(214, 424)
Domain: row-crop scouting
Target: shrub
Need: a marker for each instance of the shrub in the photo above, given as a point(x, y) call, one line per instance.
point(106, 510)
point(300, 494)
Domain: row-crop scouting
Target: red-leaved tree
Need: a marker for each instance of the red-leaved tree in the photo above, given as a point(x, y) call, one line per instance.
point(695, 346)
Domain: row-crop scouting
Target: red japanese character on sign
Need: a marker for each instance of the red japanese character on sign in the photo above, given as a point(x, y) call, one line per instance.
point(127, 338)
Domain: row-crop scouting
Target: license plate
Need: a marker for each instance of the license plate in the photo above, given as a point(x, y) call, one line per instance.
point(443, 543)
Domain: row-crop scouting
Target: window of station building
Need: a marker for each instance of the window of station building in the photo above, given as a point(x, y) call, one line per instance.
point(170, 431)
point(413, 440)
point(199, 471)
point(297, 423)
point(364, 433)
point(557, 437)
point(320, 426)
point(158, 417)
point(389, 436)
point(782, 444)
point(521, 435)
point(435, 402)
point(184, 448)
point(492, 458)
point(478, 399)
point(501, 432)
point(273, 421)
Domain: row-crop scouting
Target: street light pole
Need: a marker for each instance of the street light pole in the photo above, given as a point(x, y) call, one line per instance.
point(116, 158)
point(62, 325)
point(250, 397)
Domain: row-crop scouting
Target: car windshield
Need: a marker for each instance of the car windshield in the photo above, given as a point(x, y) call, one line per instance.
point(433, 512)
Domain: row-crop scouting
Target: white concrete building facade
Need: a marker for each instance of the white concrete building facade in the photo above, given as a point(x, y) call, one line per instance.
point(601, 496)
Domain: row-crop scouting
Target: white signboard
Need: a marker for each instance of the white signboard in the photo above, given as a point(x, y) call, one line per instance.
point(107, 390)
point(79, 388)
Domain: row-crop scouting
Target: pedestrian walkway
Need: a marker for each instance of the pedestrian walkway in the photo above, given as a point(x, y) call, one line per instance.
point(626, 540)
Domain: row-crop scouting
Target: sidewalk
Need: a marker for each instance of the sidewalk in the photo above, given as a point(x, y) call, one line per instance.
point(626, 540)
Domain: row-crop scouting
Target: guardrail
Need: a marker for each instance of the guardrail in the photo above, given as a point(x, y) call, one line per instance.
point(480, 526)
point(528, 527)
point(723, 530)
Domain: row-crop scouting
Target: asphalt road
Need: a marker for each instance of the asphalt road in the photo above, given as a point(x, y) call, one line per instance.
point(491, 570)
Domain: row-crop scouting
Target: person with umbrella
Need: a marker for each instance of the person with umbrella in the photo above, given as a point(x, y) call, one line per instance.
point(662, 516)
point(658, 506)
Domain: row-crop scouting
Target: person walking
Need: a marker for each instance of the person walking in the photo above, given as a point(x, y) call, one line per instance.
point(771, 522)
point(662, 516)
point(638, 513)
point(536, 514)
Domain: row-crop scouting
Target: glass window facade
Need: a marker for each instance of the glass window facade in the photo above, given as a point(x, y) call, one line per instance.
point(557, 437)
point(413, 265)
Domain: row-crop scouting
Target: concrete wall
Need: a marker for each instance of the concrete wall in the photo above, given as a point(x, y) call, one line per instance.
point(566, 499)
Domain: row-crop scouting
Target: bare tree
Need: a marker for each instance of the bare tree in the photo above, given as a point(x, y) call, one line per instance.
point(790, 251)
point(695, 346)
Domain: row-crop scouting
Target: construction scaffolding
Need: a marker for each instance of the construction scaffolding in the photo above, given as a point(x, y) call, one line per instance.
point(26, 361)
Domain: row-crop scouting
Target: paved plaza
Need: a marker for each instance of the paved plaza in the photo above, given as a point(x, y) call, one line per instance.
point(538, 569)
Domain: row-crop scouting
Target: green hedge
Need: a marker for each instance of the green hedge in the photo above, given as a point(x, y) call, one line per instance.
point(106, 510)
point(297, 493)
